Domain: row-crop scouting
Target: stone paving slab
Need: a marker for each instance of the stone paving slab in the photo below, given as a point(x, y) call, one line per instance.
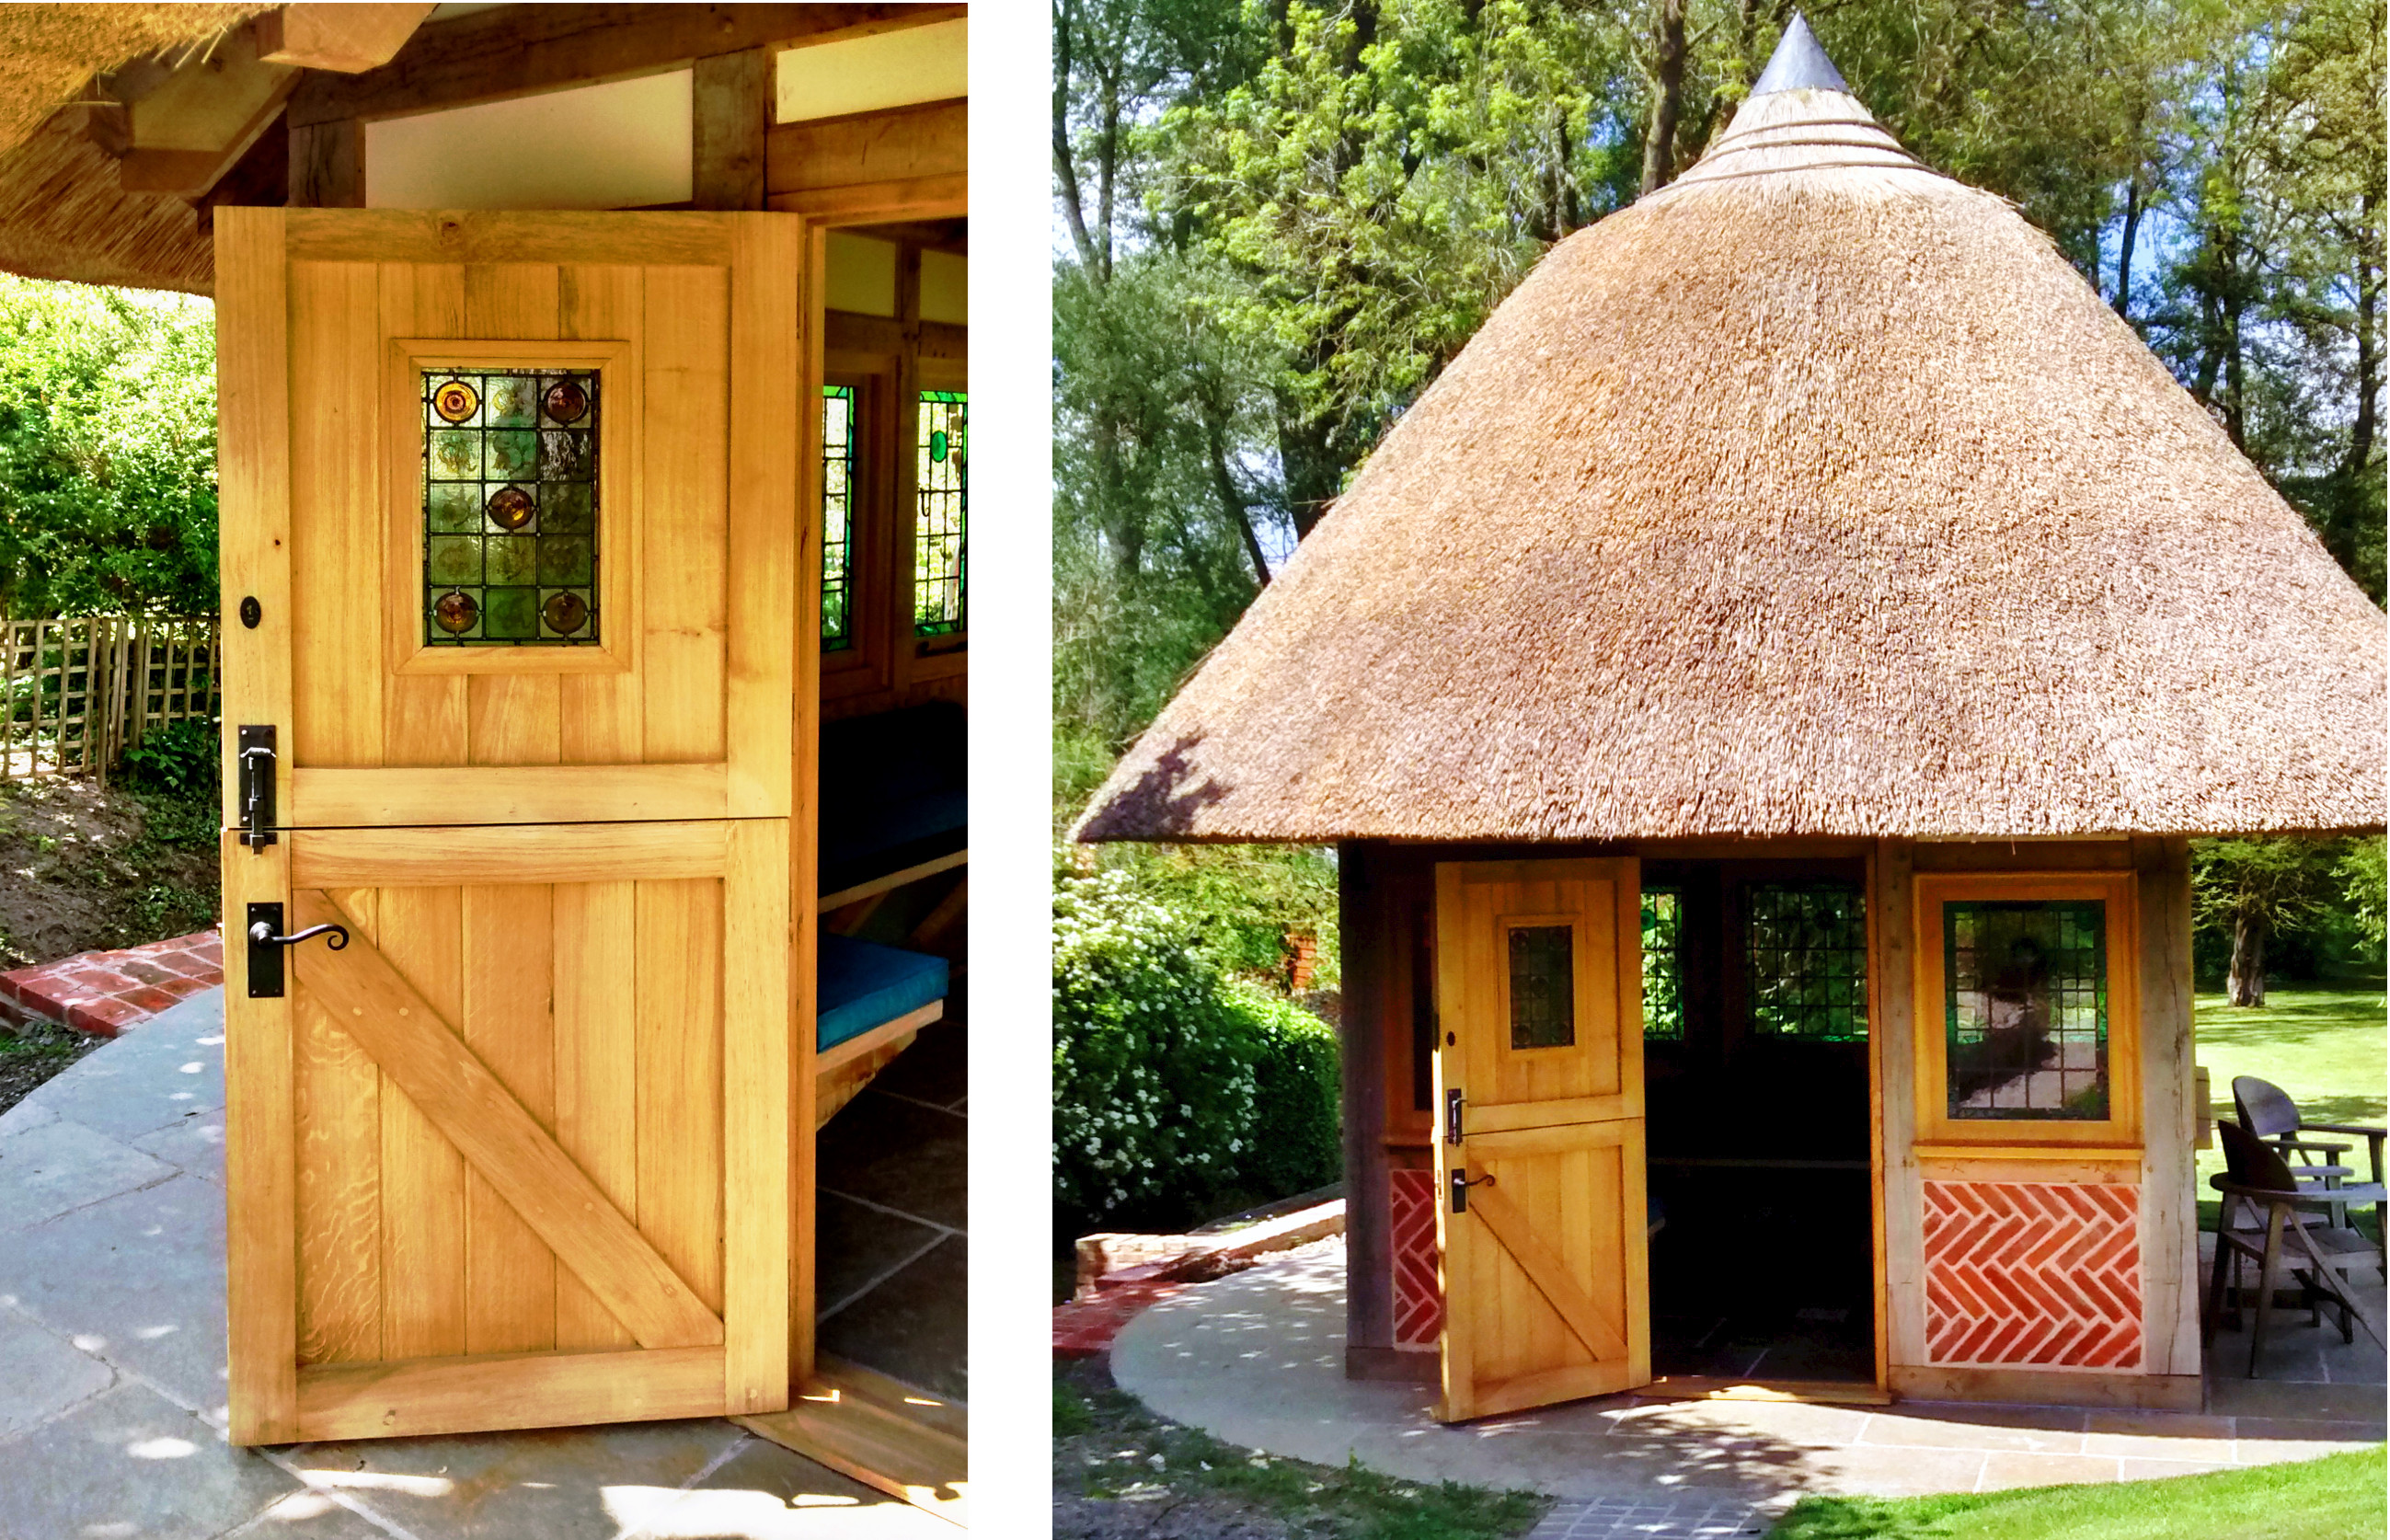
point(112, 1366)
point(1256, 1359)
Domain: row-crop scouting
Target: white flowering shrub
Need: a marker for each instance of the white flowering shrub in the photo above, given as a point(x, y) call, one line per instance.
point(1297, 1142)
point(1154, 1082)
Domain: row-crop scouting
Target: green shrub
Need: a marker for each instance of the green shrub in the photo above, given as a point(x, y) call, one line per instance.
point(179, 759)
point(1297, 1143)
point(1153, 1068)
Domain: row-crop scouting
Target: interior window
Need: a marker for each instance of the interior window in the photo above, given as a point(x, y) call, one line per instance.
point(940, 489)
point(2025, 1008)
point(838, 516)
point(1805, 960)
point(1663, 977)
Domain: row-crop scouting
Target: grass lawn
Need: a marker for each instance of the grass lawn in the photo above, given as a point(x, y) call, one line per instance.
point(2339, 1497)
point(2326, 1048)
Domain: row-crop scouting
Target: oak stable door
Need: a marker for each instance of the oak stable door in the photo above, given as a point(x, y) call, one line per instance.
point(518, 608)
point(1539, 1134)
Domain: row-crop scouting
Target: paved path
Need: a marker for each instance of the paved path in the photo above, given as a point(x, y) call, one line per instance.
point(112, 1364)
point(1257, 1360)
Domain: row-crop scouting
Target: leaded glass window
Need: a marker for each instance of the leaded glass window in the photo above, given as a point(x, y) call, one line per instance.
point(940, 487)
point(837, 518)
point(2025, 1005)
point(1543, 986)
point(1664, 977)
point(1805, 960)
point(510, 508)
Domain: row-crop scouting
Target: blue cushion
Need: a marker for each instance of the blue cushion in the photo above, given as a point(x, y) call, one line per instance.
point(864, 985)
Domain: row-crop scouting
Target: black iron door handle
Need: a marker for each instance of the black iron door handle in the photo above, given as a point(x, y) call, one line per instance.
point(261, 934)
point(266, 941)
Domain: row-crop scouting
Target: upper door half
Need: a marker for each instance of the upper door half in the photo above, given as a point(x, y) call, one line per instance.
point(526, 498)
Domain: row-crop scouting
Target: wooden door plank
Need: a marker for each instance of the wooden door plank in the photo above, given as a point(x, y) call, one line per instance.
point(513, 718)
point(767, 348)
point(416, 1045)
point(336, 550)
point(253, 372)
point(422, 1174)
point(684, 608)
point(602, 722)
point(507, 794)
point(262, 1278)
point(509, 1274)
point(520, 852)
point(679, 946)
point(522, 1390)
point(339, 1118)
point(597, 1074)
point(756, 1116)
point(423, 714)
point(804, 841)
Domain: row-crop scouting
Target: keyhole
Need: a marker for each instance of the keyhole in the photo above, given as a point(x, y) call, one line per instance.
point(251, 613)
point(1449, 1040)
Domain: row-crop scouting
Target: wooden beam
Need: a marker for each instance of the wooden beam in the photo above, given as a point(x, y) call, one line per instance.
point(426, 1057)
point(880, 202)
point(731, 110)
point(349, 39)
point(899, 144)
point(328, 165)
point(191, 128)
point(518, 50)
point(412, 1396)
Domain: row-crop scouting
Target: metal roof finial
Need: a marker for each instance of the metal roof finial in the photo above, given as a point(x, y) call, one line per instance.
point(1799, 63)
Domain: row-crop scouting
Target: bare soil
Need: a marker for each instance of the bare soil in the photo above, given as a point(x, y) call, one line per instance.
point(83, 868)
point(30, 1055)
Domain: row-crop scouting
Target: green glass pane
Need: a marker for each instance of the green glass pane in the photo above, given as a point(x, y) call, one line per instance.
point(512, 401)
point(455, 507)
point(563, 560)
point(1543, 987)
point(563, 454)
point(512, 559)
point(513, 453)
point(510, 613)
point(453, 560)
point(564, 508)
point(456, 454)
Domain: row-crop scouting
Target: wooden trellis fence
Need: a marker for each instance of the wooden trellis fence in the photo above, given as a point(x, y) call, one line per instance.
point(75, 694)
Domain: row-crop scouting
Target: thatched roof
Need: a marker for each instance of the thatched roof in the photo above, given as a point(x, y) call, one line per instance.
point(1817, 494)
point(62, 214)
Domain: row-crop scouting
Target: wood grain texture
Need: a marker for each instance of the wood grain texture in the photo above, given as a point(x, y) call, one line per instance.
point(419, 1049)
point(767, 346)
point(336, 544)
point(261, 1183)
point(437, 238)
point(1892, 977)
point(597, 1074)
point(509, 1025)
point(513, 718)
point(881, 1432)
point(731, 109)
point(2170, 1110)
point(932, 140)
point(899, 199)
point(685, 614)
point(602, 719)
point(1548, 1271)
point(680, 1089)
point(339, 1122)
point(523, 852)
point(755, 1077)
point(804, 837)
point(421, 936)
point(482, 795)
point(466, 1395)
point(423, 715)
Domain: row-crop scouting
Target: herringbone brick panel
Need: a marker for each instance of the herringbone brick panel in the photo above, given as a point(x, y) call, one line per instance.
point(1419, 1294)
point(2035, 1273)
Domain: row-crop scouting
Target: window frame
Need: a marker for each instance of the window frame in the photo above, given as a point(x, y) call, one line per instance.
point(2119, 891)
point(863, 664)
point(946, 653)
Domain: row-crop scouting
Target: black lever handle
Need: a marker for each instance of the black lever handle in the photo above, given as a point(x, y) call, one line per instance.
point(261, 934)
point(266, 941)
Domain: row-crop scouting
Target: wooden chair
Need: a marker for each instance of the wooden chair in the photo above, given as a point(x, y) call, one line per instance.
point(2268, 1113)
point(869, 1003)
point(2317, 1255)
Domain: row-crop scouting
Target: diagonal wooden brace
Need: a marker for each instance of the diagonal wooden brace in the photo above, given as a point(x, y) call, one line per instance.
point(413, 1045)
point(1546, 1271)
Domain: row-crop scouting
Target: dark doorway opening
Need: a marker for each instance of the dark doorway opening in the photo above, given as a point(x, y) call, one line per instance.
point(1759, 1131)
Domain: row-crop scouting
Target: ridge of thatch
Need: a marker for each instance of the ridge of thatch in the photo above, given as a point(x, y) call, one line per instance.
point(1816, 495)
point(49, 53)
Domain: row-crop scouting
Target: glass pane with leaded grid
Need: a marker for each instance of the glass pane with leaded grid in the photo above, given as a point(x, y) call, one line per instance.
point(2026, 1006)
point(509, 508)
point(1804, 959)
point(1663, 977)
point(941, 486)
point(1543, 986)
point(838, 516)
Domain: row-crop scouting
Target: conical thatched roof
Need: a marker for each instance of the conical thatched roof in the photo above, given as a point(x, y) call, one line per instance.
point(1814, 494)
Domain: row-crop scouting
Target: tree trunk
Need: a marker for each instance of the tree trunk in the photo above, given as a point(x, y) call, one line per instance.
point(2133, 209)
point(1307, 457)
point(1667, 97)
point(1233, 501)
point(2248, 978)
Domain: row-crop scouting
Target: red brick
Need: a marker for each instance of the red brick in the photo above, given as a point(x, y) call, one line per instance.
point(1087, 1329)
point(182, 986)
point(143, 970)
point(105, 1017)
point(150, 1001)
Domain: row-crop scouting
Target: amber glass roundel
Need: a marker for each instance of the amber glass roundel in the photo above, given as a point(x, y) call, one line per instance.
point(510, 508)
point(564, 614)
point(455, 613)
point(567, 401)
point(455, 401)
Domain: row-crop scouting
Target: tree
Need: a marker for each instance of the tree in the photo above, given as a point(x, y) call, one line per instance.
point(2254, 889)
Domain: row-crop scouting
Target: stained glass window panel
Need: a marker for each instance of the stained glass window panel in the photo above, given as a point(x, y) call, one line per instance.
point(941, 485)
point(2025, 1005)
point(838, 516)
point(1663, 977)
point(1543, 986)
point(510, 508)
point(1805, 960)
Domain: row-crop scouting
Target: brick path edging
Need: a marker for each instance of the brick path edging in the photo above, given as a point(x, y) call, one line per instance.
point(103, 993)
